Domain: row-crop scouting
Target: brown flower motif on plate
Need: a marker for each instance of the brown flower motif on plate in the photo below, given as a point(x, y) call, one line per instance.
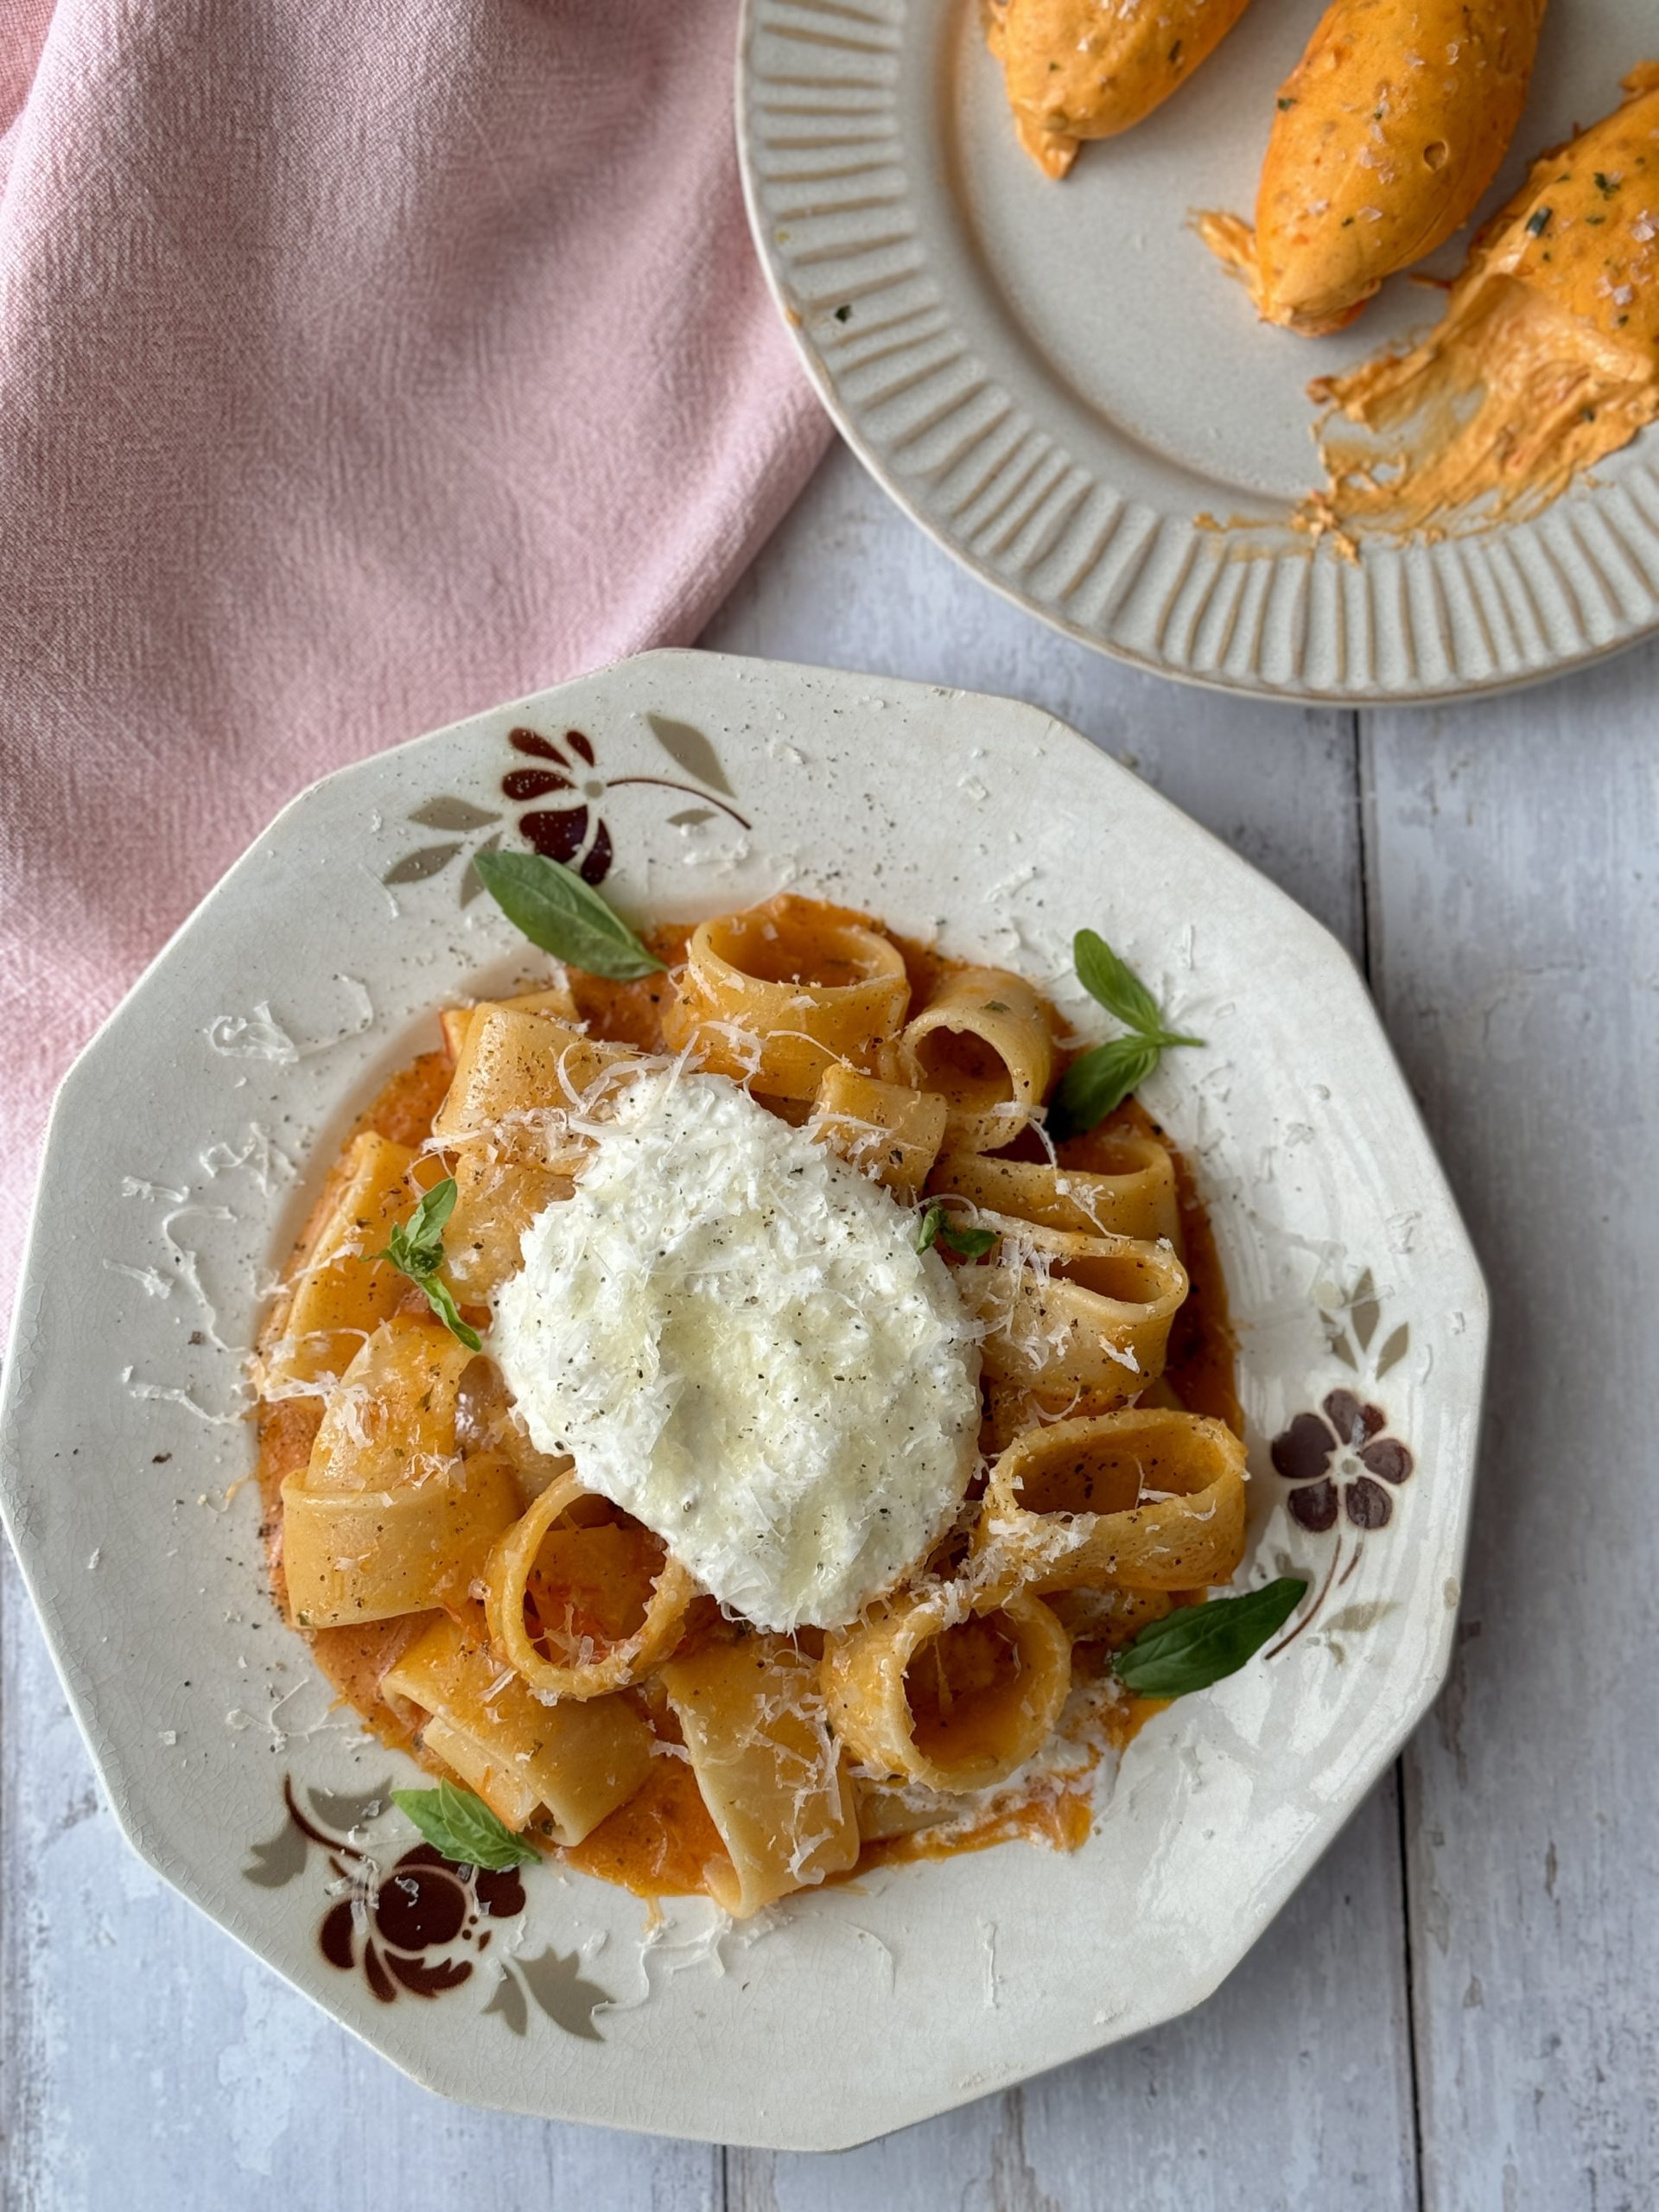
point(556, 785)
point(560, 829)
point(389, 1922)
point(1341, 1461)
point(422, 1926)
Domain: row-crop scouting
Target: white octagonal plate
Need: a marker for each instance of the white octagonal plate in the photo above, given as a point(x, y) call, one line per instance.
point(1056, 380)
point(184, 1151)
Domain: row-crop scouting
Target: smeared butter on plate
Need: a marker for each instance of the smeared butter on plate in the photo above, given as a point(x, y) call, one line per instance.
point(1546, 360)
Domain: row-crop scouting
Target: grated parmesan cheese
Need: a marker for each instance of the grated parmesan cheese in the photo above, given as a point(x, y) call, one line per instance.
point(732, 1333)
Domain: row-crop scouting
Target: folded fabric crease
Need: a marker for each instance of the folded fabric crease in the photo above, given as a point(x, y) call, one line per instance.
point(359, 365)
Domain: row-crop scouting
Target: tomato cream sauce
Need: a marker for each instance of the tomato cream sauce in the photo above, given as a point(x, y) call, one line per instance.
point(662, 1841)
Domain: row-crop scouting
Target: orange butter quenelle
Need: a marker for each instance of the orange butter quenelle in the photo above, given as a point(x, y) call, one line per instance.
point(1383, 137)
point(1074, 70)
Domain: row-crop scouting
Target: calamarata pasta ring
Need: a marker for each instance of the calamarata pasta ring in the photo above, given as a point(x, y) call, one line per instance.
point(983, 1041)
point(506, 1577)
point(1133, 1196)
point(780, 993)
point(944, 1690)
point(1066, 1312)
point(1064, 1508)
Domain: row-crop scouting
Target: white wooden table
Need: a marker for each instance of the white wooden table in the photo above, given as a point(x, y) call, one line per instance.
point(1461, 2007)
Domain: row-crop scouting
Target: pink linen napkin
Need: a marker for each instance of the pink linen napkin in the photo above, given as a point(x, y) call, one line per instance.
point(362, 362)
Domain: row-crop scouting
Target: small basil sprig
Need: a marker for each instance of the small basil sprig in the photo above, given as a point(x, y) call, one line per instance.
point(1197, 1645)
point(1099, 1080)
point(566, 916)
point(417, 1250)
point(969, 1243)
point(464, 1828)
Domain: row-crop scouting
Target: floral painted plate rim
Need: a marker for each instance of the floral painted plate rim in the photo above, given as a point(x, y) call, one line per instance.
point(174, 1176)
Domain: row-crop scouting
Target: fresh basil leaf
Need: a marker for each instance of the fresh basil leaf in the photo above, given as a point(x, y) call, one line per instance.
point(1110, 980)
point(971, 1244)
point(1197, 1645)
point(441, 1300)
point(430, 1218)
point(1097, 1081)
point(968, 1243)
point(415, 1250)
point(464, 1828)
point(566, 916)
point(417, 1245)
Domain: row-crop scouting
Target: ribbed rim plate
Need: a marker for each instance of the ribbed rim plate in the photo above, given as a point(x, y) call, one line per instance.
point(1055, 381)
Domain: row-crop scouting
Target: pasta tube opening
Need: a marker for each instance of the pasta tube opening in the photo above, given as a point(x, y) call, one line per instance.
point(1143, 1499)
point(788, 942)
point(959, 1686)
point(982, 1041)
point(1131, 1193)
point(580, 1599)
point(933, 1692)
point(779, 993)
point(1070, 1315)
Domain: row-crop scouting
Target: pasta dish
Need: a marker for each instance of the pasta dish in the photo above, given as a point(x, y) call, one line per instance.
point(759, 1405)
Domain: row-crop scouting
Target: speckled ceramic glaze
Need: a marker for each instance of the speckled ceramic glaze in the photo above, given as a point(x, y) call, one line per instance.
point(1057, 381)
point(187, 1146)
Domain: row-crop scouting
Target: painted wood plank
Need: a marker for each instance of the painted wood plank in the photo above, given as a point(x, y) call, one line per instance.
point(149, 2064)
point(1289, 2089)
point(1292, 2085)
point(846, 581)
point(1515, 952)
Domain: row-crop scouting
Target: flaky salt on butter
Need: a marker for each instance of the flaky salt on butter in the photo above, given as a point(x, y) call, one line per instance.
point(1384, 136)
